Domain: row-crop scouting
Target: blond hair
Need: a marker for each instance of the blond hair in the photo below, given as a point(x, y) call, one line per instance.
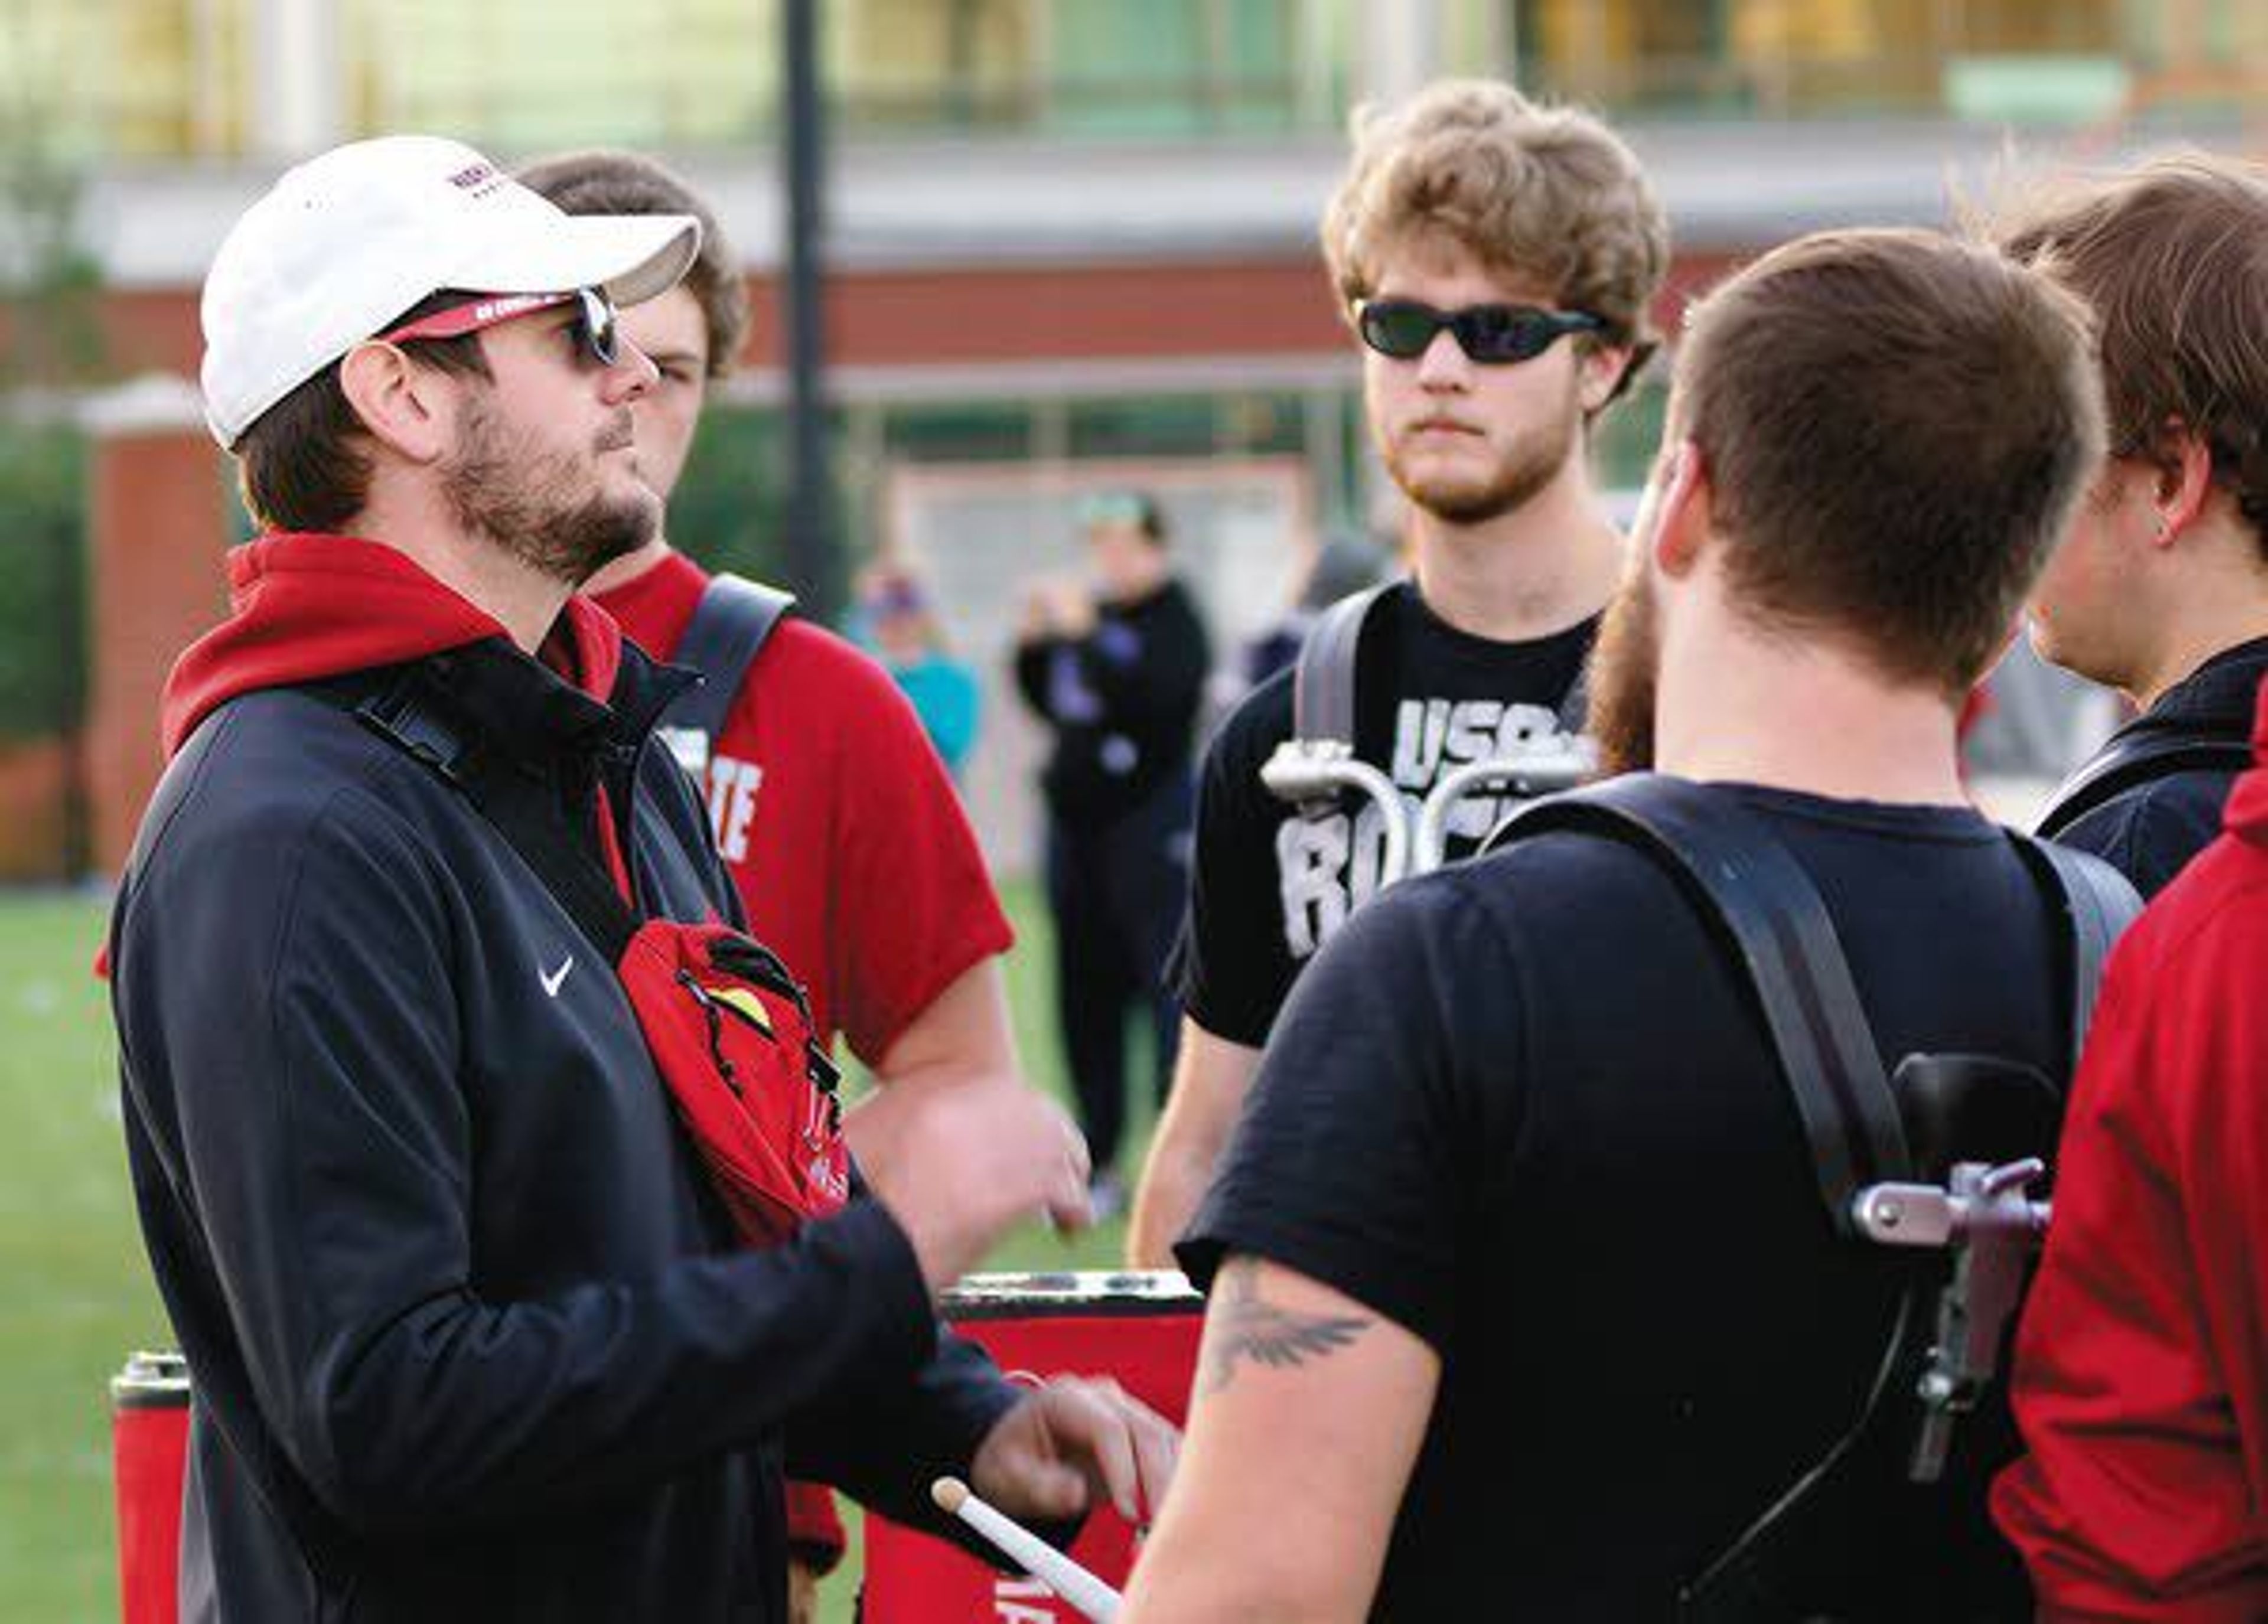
point(1539, 195)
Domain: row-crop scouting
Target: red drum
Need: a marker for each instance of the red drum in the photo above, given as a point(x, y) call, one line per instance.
point(150, 1436)
point(1141, 1328)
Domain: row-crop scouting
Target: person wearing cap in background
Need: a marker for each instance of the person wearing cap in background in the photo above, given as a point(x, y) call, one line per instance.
point(841, 829)
point(1117, 673)
point(470, 1332)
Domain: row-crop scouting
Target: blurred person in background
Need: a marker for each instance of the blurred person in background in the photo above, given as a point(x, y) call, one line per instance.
point(1115, 667)
point(1343, 563)
point(1496, 260)
point(472, 1331)
point(2161, 592)
point(896, 618)
point(837, 821)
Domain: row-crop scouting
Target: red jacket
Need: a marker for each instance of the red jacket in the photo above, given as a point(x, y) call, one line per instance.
point(2141, 1366)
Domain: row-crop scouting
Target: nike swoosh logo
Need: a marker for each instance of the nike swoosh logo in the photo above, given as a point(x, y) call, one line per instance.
point(552, 978)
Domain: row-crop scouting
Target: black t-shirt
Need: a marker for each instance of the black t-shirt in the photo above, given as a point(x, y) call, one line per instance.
point(1526, 1109)
point(1269, 886)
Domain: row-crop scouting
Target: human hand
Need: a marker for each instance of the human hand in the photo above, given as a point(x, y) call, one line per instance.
point(969, 1161)
point(802, 1592)
point(1072, 1441)
point(1038, 618)
point(1073, 612)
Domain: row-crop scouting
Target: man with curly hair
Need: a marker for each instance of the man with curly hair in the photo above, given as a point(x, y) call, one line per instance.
point(1497, 260)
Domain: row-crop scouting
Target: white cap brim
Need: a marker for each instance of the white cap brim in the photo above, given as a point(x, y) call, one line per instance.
point(633, 257)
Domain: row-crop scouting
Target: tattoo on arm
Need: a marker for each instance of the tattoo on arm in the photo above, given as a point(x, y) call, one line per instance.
point(1250, 1327)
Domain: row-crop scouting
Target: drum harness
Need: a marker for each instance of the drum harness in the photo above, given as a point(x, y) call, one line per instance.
point(1875, 1149)
point(1317, 765)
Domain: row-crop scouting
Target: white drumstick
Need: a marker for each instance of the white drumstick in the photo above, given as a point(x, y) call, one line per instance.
point(1051, 1566)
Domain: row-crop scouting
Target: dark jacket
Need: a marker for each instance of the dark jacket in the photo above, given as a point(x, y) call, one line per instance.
point(2150, 829)
point(468, 1334)
point(1122, 702)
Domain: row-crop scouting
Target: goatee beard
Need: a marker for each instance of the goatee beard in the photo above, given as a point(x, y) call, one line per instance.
point(1530, 465)
point(1625, 669)
point(507, 489)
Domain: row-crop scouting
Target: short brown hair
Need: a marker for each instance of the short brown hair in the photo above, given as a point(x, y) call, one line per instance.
point(1543, 195)
point(2173, 255)
point(1897, 428)
point(600, 181)
point(302, 465)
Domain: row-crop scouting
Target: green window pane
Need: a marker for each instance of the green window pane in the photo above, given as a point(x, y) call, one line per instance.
point(970, 432)
point(1170, 426)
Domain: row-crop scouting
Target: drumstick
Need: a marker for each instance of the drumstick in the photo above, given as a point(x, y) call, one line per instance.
point(1051, 1566)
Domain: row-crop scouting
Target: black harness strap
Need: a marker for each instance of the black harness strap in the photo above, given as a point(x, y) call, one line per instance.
point(1759, 902)
point(1757, 898)
point(405, 713)
point(1323, 685)
point(2129, 763)
point(2097, 903)
point(727, 632)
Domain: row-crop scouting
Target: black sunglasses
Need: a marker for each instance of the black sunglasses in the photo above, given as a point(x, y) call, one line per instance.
point(1488, 333)
point(595, 327)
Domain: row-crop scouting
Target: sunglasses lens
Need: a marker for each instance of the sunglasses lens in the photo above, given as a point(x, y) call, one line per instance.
point(1505, 333)
point(1399, 329)
point(598, 326)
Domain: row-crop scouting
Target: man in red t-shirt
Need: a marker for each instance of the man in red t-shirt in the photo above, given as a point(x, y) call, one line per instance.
point(837, 821)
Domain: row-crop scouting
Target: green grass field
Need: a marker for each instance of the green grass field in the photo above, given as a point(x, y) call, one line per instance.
point(77, 1296)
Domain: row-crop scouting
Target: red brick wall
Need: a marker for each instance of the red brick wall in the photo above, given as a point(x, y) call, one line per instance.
point(158, 529)
point(31, 808)
point(1233, 306)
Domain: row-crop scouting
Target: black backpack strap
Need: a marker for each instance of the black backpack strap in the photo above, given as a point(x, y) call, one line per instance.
point(1323, 685)
point(410, 714)
point(1757, 898)
point(729, 629)
point(2131, 763)
point(2096, 902)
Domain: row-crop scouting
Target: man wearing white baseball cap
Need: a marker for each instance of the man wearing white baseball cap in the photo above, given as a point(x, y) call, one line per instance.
point(486, 1313)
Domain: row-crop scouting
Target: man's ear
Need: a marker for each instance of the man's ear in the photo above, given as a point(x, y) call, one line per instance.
point(1682, 510)
point(2181, 473)
point(1601, 374)
point(410, 409)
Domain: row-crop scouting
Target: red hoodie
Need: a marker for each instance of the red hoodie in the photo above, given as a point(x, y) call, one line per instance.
point(304, 607)
point(2141, 1366)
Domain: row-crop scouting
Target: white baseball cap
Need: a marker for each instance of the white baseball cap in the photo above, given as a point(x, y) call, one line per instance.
point(345, 243)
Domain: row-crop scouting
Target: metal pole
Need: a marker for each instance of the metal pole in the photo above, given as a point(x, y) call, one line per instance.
point(811, 551)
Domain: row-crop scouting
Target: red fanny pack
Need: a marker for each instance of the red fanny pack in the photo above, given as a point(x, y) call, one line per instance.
point(728, 1028)
point(730, 1032)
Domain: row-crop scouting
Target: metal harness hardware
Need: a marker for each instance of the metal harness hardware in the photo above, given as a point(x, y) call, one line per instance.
point(1313, 767)
point(1311, 773)
point(1985, 1215)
